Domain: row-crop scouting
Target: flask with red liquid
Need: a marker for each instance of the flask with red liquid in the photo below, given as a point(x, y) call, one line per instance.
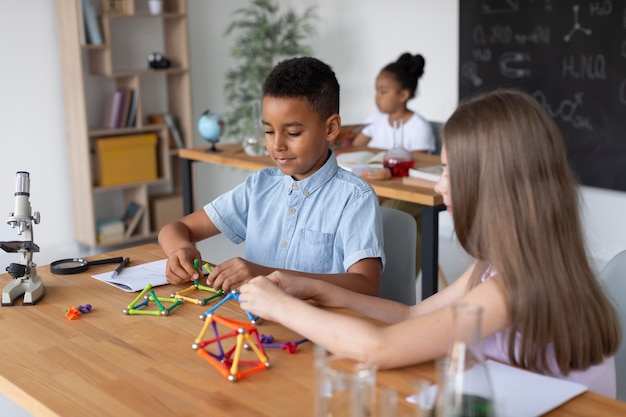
point(398, 159)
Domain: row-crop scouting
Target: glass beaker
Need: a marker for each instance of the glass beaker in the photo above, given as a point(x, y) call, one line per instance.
point(465, 388)
point(398, 159)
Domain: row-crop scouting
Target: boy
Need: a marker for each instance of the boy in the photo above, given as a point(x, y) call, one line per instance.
point(307, 215)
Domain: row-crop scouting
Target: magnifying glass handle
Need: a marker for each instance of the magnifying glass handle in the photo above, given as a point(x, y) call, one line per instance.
point(117, 260)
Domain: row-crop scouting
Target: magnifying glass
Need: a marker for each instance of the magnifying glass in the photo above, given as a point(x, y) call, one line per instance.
point(77, 265)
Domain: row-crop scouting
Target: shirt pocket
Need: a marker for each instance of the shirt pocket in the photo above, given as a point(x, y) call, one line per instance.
point(314, 251)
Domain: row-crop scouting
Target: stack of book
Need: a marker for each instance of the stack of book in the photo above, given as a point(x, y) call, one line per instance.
point(120, 109)
point(110, 231)
point(116, 230)
point(424, 176)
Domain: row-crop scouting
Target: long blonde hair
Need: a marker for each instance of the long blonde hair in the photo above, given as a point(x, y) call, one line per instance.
point(516, 209)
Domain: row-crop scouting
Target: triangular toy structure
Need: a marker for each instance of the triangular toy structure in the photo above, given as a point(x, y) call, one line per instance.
point(148, 295)
point(228, 362)
point(196, 286)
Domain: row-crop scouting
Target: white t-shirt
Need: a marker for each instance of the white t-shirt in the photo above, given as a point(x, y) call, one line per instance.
point(417, 134)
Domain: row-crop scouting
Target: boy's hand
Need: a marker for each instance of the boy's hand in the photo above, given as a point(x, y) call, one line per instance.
point(234, 272)
point(180, 266)
point(262, 298)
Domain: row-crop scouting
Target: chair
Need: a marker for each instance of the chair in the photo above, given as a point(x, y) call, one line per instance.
point(613, 276)
point(437, 127)
point(397, 281)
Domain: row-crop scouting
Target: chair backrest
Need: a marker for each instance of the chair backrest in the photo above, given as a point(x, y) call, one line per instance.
point(397, 281)
point(613, 276)
point(437, 126)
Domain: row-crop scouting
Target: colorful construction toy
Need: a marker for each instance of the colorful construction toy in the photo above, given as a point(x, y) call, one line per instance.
point(85, 309)
point(234, 294)
point(228, 362)
point(199, 287)
point(148, 294)
point(72, 313)
point(291, 347)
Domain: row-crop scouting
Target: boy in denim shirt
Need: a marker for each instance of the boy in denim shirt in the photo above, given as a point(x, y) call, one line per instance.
point(306, 215)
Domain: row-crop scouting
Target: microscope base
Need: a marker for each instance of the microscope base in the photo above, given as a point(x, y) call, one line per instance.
point(32, 288)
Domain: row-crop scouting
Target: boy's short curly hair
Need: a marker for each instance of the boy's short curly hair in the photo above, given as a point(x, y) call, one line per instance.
point(305, 77)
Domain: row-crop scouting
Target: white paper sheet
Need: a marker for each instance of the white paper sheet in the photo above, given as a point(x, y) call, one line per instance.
point(525, 393)
point(520, 393)
point(135, 278)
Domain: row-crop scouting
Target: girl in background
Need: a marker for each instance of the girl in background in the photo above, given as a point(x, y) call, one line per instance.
point(396, 84)
point(544, 310)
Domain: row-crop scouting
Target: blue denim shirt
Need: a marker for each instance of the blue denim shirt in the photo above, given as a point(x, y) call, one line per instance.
point(322, 224)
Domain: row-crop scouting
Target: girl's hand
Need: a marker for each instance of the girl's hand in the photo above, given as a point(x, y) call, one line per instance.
point(180, 266)
point(296, 286)
point(263, 298)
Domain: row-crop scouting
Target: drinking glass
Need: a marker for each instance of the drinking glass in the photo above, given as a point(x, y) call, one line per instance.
point(345, 387)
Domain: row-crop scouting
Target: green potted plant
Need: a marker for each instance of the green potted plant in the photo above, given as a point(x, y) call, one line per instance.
point(264, 37)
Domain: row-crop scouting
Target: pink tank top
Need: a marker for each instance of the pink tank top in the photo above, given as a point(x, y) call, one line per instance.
point(598, 378)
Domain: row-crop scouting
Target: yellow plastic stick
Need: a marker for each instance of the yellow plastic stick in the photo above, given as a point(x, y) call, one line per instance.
point(234, 369)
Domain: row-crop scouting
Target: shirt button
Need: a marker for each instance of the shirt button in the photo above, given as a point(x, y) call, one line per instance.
point(288, 190)
point(306, 193)
point(292, 210)
point(283, 244)
point(296, 186)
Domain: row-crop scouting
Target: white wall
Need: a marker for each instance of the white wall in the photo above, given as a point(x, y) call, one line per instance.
point(33, 132)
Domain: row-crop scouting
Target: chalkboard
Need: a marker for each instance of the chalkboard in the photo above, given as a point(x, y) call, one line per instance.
point(571, 56)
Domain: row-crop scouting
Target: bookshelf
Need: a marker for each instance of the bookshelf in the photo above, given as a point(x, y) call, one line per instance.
point(91, 72)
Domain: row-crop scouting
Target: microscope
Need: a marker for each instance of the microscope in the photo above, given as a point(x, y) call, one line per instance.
point(25, 278)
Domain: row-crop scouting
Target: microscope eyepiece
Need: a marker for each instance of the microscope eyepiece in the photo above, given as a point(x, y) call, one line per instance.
point(22, 183)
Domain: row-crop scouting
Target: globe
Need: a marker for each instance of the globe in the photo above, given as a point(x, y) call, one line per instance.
point(211, 127)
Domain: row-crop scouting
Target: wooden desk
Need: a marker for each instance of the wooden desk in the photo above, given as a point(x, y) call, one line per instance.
point(107, 363)
point(432, 203)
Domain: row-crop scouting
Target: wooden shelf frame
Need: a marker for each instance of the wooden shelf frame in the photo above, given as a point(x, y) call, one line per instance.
point(80, 61)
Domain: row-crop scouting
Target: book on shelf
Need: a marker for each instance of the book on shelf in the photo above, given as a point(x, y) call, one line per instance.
point(120, 109)
point(112, 109)
point(430, 173)
point(131, 218)
point(122, 117)
point(167, 119)
point(132, 111)
point(92, 26)
point(175, 132)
